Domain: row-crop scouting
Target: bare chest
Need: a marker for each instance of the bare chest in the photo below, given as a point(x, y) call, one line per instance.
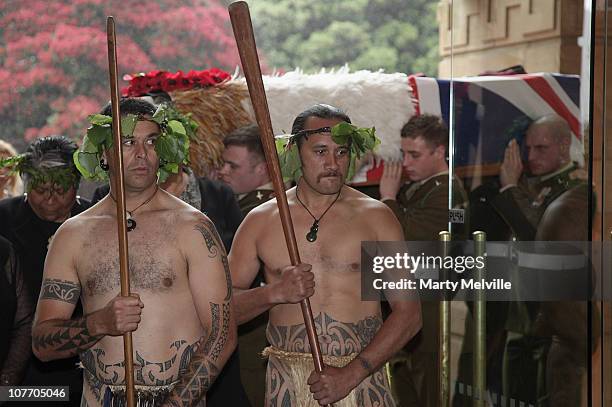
point(337, 247)
point(155, 264)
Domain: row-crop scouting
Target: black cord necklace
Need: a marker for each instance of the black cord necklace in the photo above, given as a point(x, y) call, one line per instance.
point(314, 229)
point(131, 223)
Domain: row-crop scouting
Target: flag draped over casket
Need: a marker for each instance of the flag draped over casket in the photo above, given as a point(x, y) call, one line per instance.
point(488, 111)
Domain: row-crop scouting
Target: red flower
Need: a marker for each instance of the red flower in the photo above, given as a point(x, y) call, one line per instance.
point(219, 75)
point(155, 73)
point(169, 85)
point(157, 80)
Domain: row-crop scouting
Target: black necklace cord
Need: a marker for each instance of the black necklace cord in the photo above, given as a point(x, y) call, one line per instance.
point(131, 223)
point(311, 236)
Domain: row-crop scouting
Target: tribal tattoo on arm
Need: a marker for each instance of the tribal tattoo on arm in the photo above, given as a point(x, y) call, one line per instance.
point(367, 366)
point(63, 338)
point(60, 290)
point(215, 248)
point(58, 337)
point(204, 366)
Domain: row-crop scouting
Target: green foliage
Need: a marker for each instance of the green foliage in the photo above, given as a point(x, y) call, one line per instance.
point(64, 177)
point(99, 137)
point(396, 35)
point(288, 158)
point(360, 140)
point(172, 145)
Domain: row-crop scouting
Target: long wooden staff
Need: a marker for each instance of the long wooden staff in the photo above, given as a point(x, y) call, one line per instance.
point(119, 191)
point(243, 31)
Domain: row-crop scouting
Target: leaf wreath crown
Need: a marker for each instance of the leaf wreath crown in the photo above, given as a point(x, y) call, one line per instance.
point(63, 175)
point(172, 145)
point(359, 139)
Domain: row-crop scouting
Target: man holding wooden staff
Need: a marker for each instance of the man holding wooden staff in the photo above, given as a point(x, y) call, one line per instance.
point(330, 221)
point(181, 317)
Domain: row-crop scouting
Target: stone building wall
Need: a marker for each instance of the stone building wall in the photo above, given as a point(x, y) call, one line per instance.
point(485, 35)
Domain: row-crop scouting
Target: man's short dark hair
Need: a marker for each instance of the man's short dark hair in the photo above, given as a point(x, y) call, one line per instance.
point(60, 147)
point(248, 137)
point(51, 152)
point(135, 106)
point(428, 126)
point(321, 111)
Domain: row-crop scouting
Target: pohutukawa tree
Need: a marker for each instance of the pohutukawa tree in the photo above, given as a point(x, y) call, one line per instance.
point(53, 60)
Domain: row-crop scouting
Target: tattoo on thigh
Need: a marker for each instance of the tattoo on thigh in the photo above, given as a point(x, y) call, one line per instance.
point(378, 391)
point(61, 290)
point(279, 386)
point(360, 397)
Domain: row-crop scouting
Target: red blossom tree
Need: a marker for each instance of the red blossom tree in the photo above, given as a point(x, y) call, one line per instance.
point(53, 58)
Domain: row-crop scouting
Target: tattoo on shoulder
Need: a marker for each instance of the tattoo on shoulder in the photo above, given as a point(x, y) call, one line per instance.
point(61, 290)
point(215, 247)
point(211, 238)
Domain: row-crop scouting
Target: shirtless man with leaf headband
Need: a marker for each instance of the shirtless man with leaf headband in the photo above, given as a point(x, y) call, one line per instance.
point(330, 221)
point(181, 317)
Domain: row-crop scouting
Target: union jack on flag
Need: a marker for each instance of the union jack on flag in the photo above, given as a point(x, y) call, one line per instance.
point(489, 111)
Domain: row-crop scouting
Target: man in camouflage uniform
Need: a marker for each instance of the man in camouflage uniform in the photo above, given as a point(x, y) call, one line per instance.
point(423, 211)
point(246, 172)
point(512, 209)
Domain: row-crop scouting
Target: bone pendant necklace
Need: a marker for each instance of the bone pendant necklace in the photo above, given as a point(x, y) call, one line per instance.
point(130, 221)
point(311, 236)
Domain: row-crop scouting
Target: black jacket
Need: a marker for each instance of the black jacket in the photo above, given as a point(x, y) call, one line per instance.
point(30, 238)
point(16, 313)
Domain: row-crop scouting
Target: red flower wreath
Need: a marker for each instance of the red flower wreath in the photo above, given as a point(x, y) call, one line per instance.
point(164, 81)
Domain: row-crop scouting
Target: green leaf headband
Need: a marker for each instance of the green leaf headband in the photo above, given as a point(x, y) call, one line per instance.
point(359, 139)
point(172, 146)
point(64, 176)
